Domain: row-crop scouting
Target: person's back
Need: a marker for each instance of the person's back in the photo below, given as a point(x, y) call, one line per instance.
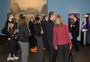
point(23, 34)
point(61, 39)
point(62, 34)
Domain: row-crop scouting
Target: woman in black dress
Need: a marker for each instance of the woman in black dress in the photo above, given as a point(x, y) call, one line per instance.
point(12, 43)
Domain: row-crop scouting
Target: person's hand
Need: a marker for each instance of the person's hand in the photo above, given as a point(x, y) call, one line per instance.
point(29, 31)
point(42, 32)
point(71, 26)
point(30, 34)
point(12, 35)
point(14, 32)
point(9, 39)
point(70, 47)
point(56, 48)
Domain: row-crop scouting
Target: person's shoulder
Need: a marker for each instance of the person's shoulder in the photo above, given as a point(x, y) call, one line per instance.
point(55, 27)
point(64, 24)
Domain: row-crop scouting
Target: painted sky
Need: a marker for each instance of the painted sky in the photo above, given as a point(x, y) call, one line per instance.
point(30, 3)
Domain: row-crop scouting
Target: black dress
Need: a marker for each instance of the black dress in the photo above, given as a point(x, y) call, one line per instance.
point(12, 42)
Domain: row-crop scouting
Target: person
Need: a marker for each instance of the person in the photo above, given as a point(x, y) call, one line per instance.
point(31, 28)
point(9, 19)
point(12, 42)
point(43, 18)
point(38, 33)
point(37, 17)
point(75, 32)
point(49, 30)
point(61, 39)
point(44, 30)
point(15, 24)
point(24, 38)
point(21, 15)
point(15, 29)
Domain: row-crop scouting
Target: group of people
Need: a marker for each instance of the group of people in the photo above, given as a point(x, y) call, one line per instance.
point(55, 33)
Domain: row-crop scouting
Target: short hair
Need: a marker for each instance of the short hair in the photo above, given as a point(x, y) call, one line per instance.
point(51, 13)
point(37, 22)
point(37, 15)
point(14, 18)
point(23, 21)
point(76, 16)
point(20, 15)
point(45, 16)
point(8, 15)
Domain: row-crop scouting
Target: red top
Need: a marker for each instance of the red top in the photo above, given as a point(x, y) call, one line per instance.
point(61, 36)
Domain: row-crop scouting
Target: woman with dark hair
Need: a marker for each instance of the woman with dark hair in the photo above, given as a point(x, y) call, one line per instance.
point(38, 32)
point(24, 38)
point(61, 39)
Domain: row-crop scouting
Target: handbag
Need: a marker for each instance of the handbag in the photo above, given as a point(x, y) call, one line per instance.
point(3, 30)
point(71, 58)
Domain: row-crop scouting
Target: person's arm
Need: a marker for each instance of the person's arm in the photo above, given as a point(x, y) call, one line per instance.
point(54, 37)
point(26, 32)
point(76, 26)
point(7, 33)
point(68, 36)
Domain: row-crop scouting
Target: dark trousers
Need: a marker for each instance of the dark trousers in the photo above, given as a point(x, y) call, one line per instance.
point(39, 48)
point(31, 40)
point(12, 46)
point(45, 43)
point(63, 51)
point(52, 52)
point(75, 44)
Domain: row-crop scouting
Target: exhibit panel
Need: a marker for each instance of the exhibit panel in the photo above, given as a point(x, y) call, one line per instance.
point(71, 21)
point(85, 29)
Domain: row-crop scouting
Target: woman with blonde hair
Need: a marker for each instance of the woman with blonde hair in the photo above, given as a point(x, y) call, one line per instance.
point(12, 42)
point(61, 39)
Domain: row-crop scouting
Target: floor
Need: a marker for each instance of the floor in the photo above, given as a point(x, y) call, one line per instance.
point(82, 56)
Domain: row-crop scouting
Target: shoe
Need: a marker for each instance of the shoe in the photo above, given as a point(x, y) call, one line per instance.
point(16, 58)
point(8, 59)
point(13, 59)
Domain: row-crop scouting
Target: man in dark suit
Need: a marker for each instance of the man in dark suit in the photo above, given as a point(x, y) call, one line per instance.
point(9, 19)
point(45, 34)
point(31, 27)
point(75, 32)
point(49, 29)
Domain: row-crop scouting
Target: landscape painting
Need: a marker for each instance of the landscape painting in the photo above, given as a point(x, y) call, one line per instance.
point(29, 8)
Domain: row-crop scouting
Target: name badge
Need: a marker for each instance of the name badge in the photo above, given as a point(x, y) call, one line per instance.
point(73, 25)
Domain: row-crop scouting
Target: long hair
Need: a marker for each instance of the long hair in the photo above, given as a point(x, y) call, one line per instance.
point(59, 21)
point(23, 21)
point(10, 26)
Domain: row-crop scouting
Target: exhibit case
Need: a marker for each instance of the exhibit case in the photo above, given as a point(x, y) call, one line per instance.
point(85, 29)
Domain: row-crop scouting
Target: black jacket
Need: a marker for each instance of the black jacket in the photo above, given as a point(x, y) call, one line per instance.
point(49, 30)
point(44, 27)
point(23, 34)
point(31, 27)
point(75, 29)
point(6, 28)
point(38, 30)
